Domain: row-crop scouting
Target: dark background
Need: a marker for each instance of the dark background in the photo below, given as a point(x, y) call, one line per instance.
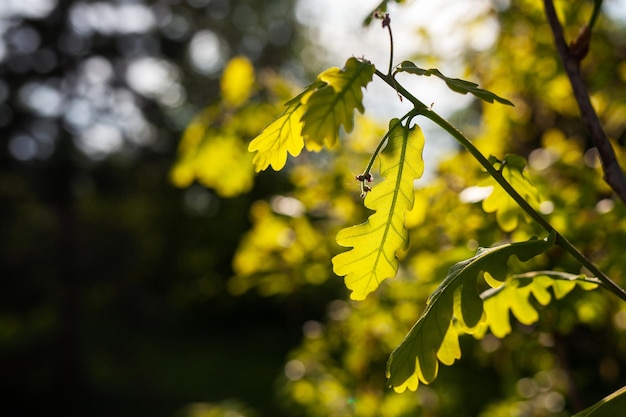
point(113, 298)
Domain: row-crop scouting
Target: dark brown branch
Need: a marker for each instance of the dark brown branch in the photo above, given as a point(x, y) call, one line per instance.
point(571, 57)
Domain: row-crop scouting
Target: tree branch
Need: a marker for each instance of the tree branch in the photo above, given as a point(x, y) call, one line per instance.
point(571, 57)
point(421, 109)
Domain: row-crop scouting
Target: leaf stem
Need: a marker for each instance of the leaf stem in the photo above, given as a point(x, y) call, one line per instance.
point(382, 143)
point(421, 109)
point(390, 47)
point(391, 81)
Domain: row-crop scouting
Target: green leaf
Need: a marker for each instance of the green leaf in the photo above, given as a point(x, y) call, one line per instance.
point(513, 169)
point(332, 105)
point(282, 136)
point(515, 296)
point(455, 84)
point(433, 338)
point(215, 157)
point(314, 117)
point(610, 406)
point(376, 242)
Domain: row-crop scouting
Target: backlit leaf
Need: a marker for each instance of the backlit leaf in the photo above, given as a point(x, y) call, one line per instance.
point(375, 243)
point(513, 169)
point(215, 158)
point(332, 105)
point(455, 84)
point(433, 338)
point(314, 117)
point(282, 136)
point(515, 296)
point(237, 82)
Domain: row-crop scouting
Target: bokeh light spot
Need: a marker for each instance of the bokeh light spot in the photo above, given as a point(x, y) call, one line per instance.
point(294, 370)
point(207, 52)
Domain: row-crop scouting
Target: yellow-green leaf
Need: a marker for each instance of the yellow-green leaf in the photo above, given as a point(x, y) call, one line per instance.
point(333, 104)
point(215, 157)
point(282, 136)
point(219, 163)
point(433, 338)
point(506, 209)
point(514, 296)
point(375, 243)
point(315, 116)
point(237, 81)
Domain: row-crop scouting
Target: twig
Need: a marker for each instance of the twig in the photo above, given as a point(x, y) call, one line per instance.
point(387, 23)
point(560, 240)
point(571, 56)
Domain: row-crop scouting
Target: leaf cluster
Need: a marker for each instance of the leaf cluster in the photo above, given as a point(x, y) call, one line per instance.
point(313, 118)
point(456, 306)
point(482, 293)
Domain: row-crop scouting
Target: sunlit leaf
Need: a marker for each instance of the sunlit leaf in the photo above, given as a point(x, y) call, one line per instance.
point(314, 117)
point(220, 164)
point(333, 104)
point(515, 296)
point(433, 339)
point(216, 158)
point(237, 81)
point(282, 136)
point(455, 84)
point(610, 406)
point(282, 251)
point(375, 243)
point(513, 169)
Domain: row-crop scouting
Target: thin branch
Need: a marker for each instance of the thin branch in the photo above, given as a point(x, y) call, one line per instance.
point(521, 201)
point(597, 6)
point(387, 22)
point(420, 108)
point(571, 57)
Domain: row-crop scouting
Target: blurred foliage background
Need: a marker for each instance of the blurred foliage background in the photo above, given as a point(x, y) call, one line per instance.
point(147, 270)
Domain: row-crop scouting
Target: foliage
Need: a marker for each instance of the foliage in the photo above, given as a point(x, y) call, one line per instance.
point(212, 149)
point(279, 138)
point(433, 338)
point(334, 370)
point(314, 116)
point(332, 104)
point(455, 84)
point(507, 211)
point(514, 295)
point(376, 242)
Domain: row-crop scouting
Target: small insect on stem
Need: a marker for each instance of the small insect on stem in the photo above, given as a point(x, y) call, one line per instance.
point(364, 179)
point(386, 20)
